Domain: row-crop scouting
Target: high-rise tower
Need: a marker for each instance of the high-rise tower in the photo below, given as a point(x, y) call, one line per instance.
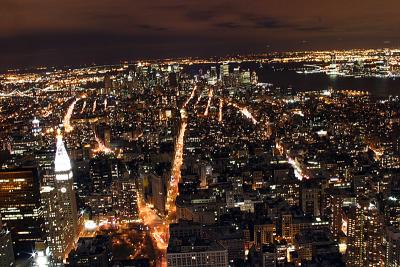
point(60, 208)
point(365, 235)
point(20, 208)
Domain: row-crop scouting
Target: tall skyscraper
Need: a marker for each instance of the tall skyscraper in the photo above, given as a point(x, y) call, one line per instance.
point(245, 77)
point(60, 208)
point(124, 199)
point(103, 170)
point(45, 160)
point(224, 70)
point(355, 243)
point(374, 237)
point(36, 136)
point(335, 222)
point(213, 76)
point(310, 199)
point(101, 174)
point(365, 235)
point(20, 208)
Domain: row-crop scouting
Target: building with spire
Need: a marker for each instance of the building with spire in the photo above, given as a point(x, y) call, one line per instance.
point(59, 202)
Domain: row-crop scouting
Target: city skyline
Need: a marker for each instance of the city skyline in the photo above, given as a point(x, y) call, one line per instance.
point(207, 133)
point(206, 167)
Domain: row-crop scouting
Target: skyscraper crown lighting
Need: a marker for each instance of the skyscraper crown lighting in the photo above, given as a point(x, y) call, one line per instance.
point(61, 162)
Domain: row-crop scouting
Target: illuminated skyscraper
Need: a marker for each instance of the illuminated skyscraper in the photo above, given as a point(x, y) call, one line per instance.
point(124, 199)
point(20, 208)
point(224, 70)
point(212, 79)
point(374, 237)
point(36, 140)
point(335, 222)
point(365, 235)
point(45, 160)
point(60, 209)
point(103, 170)
point(245, 77)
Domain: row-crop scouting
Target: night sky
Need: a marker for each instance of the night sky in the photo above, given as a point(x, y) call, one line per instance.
point(57, 32)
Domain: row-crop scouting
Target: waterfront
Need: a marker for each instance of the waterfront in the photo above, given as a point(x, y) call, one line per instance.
point(284, 76)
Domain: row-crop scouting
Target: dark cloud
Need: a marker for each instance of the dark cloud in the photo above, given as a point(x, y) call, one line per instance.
point(228, 25)
point(313, 28)
point(269, 23)
point(152, 28)
point(48, 31)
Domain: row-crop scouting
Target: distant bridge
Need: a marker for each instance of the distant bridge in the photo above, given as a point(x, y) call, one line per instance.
point(49, 89)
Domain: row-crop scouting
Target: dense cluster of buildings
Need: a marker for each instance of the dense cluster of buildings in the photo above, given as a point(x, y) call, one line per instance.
point(268, 177)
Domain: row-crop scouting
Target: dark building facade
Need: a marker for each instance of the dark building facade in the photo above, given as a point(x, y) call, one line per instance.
point(20, 208)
